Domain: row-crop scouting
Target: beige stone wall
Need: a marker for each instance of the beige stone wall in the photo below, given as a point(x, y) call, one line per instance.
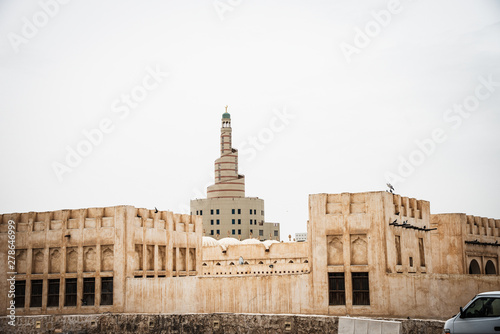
point(417, 264)
point(276, 259)
point(119, 242)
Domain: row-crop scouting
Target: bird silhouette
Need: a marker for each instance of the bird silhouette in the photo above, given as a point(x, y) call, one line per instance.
point(138, 216)
point(156, 210)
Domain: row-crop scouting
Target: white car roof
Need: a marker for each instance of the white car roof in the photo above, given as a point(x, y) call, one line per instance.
point(490, 293)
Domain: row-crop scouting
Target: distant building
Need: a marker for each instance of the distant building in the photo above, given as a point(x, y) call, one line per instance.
point(301, 236)
point(226, 212)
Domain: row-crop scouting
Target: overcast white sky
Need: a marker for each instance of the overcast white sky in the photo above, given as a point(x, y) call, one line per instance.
point(351, 122)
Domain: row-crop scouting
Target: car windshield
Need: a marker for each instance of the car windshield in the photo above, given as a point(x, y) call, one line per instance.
point(484, 307)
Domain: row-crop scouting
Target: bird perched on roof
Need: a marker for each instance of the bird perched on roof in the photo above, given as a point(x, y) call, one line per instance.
point(391, 188)
point(156, 210)
point(241, 260)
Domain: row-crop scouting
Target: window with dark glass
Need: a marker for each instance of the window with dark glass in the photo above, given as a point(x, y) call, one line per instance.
point(250, 211)
point(233, 211)
point(20, 293)
point(211, 211)
point(201, 212)
point(218, 231)
point(239, 231)
point(211, 221)
point(218, 221)
point(70, 295)
point(251, 231)
point(36, 293)
point(234, 220)
point(239, 221)
point(276, 233)
point(233, 232)
point(483, 307)
point(261, 232)
point(254, 211)
point(360, 289)
point(107, 291)
point(88, 291)
point(336, 289)
point(53, 293)
point(239, 211)
point(217, 211)
point(211, 232)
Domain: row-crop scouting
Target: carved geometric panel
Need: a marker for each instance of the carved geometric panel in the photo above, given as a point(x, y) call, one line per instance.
point(335, 250)
point(359, 249)
point(55, 260)
point(182, 259)
point(37, 259)
point(89, 259)
point(137, 264)
point(150, 259)
point(161, 258)
point(71, 260)
point(106, 258)
point(21, 261)
point(192, 259)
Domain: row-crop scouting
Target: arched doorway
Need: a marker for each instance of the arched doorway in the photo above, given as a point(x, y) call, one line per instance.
point(490, 268)
point(474, 268)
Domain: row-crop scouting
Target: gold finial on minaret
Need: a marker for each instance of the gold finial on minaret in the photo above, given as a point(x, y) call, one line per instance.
point(226, 108)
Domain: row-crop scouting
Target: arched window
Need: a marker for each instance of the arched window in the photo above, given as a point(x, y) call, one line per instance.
point(260, 262)
point(474, 268)
point(490, 268)
point(231, 264)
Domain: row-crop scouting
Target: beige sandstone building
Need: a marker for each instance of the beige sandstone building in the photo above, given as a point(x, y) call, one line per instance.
point(366, 254)
point(226, 211)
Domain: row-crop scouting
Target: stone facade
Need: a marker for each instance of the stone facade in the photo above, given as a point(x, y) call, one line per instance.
point(370, 254)
point(217, 323)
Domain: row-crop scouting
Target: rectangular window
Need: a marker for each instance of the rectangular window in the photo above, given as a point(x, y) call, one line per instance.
point(276, 233)
point(360, 289)
point(218, 221)
point(218, 232)
point(36, 293)
point(250, 222)
point(250, 211)
point(254, 211)
point(234, 220)
point(398, 250)
point(201, 212)
point(217, 211)
point(251, 231)
point(211, 232)
point(211, 221)
point(421, 251)
point(233, 211)
point(239, 231)
point(20, 293)
point(239, 221)
point(261, 232)
point(211, 211)
point(239, 211)
point(234, 232)
point(336, 289)
point(107, 291)
point(262, 212)
point(88, 291)
point(196, 212)
point(70, 295)
point(53, 295)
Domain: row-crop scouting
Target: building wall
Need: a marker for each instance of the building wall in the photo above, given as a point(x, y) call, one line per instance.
point(394, 241)
point(275, 259)
point(119, 242)
point(205, 207)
